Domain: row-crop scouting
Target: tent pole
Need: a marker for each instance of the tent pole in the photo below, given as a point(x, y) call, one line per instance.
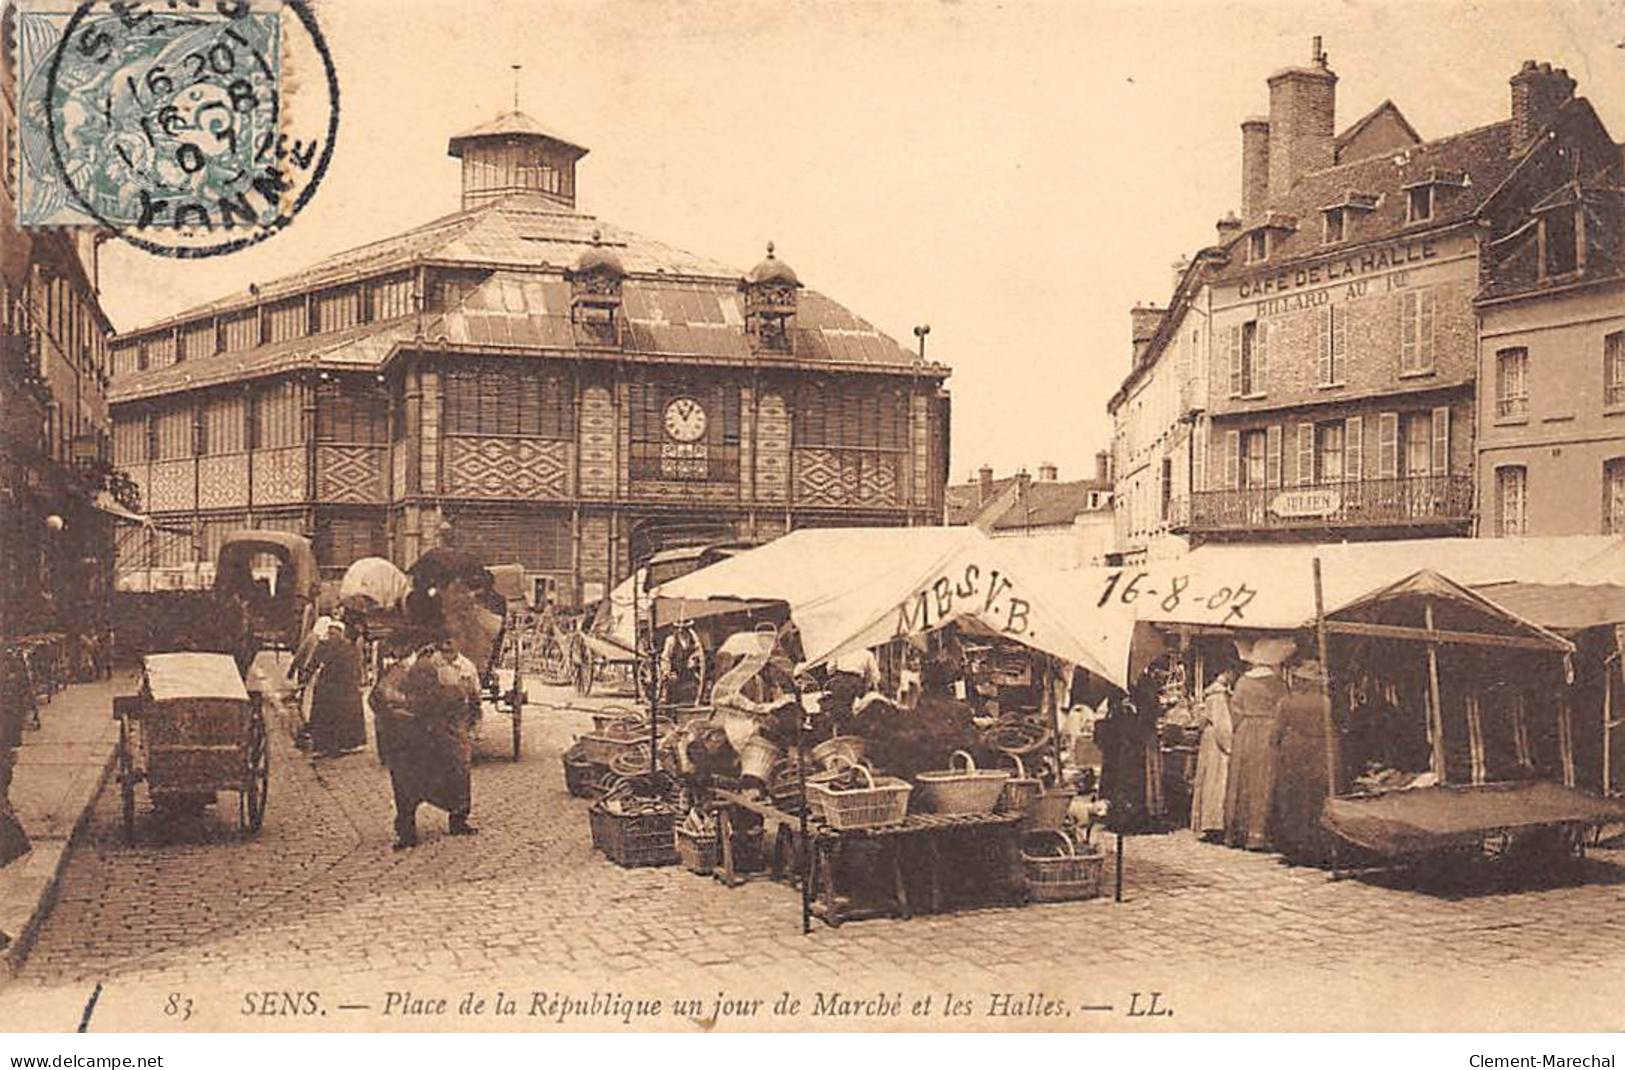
point(1054, 718)
point(1436, 713)
point(1329, 720)
point(1607, 732)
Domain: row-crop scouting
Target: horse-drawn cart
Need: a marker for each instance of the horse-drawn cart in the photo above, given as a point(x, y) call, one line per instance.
point(193, 731)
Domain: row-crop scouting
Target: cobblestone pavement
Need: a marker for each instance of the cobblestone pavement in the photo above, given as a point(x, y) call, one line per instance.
point(318, 900)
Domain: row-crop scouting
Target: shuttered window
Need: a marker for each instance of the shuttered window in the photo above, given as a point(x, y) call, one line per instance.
point(1232, 459)
point(352, 411)
point(1441, 441)
point(1331, 346)
point(1235, 361)
point(1387, 445)
point(223, 424)
point(1353, 447)
point(343, 540)
point(1306, 454)
point(1511, 499)
point(1415, 331)
point(1328, 462)
point(492, 402)
point(274, 416)
point(850, 416)
point(1613, 497)
point(1273, 458)
point(539, 541)
point(1198, 460)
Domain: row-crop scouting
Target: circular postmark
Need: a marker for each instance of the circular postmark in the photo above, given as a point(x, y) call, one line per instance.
point(192, 128)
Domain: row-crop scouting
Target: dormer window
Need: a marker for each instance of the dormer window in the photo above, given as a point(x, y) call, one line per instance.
point(1258, 246)
point(1333, 225)
point(1419, 204)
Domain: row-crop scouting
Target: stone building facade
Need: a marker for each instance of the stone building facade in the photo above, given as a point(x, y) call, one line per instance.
point(527, 382)
point(1325, 349)
point(56, 482)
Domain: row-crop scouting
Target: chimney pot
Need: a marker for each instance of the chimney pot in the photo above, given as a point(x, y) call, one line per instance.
point(1255, 165)
point(1103, 466)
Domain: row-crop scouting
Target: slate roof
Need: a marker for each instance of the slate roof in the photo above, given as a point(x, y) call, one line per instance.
point(1482, 155)
point(1047, 505)
point(513, 123)
point(676, 304)
point(962, 502)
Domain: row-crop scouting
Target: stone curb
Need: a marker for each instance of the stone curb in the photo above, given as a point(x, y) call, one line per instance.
point(28, 885)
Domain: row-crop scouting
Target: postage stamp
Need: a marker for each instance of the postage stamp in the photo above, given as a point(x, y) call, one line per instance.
point(187, 128)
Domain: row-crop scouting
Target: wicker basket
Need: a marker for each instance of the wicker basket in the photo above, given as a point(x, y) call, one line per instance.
point(1047, 813)
point(961, 791)
point(855, 749)
point(582, 778)
point(757, 757)
point(1020, 791)
point(1063, 875)
point(883, 802)
point(698, 854)
point(632, 840)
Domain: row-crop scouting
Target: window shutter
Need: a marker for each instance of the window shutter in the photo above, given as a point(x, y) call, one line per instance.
point(1441, 441)
point(1273, 439)
point(1235, 360)
point(1323, 346)
point(1353, 447)
point(1339, 343)
point(1199, 460)
point(1261, 358)
point(1232, 459)
point(1407, 331)
point(1424, 330)
point(1387, 445)
point(1306, 454)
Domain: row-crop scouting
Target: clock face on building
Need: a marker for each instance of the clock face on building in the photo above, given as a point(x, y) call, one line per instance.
point(685, 420)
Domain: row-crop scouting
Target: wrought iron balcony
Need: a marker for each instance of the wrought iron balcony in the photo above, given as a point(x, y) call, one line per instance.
point(1415, 501)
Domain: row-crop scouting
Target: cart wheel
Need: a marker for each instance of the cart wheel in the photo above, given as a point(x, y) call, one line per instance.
point(251, 813)
point(126, 777)
point(516, 702)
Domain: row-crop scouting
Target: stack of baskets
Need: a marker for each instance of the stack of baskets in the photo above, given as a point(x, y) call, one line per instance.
point(603, 745)
point(1047, 812)
point(1059, 869)
point(634, 828)
point(961, 791)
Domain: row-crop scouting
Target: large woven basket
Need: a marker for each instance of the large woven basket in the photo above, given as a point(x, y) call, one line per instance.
point(1057, 870)
point(757, 757)
point(961, 791)
point(1047, 813)
point(855, 749)
point(1020, 791)
point(884, 801)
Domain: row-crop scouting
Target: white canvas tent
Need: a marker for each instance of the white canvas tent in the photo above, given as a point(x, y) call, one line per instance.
point(853, 588)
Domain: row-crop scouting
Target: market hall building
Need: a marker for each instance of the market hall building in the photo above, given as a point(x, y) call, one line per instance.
point(1315, 373)
point(527, 382)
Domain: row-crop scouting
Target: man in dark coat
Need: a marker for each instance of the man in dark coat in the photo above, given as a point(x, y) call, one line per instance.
point(425, 708)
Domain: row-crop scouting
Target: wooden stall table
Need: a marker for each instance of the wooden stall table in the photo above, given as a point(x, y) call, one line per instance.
point(927, 838)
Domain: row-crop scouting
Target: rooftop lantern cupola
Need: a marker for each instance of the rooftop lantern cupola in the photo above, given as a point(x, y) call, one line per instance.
point(514, 154)
point(770, 303)
point(595, 293)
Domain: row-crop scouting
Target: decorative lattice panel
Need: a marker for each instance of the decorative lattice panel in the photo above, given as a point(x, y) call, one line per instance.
point(679, 491)
point(279, 476)
point(222, 482)
point(772, 450)
point(846, 477)
point(597, 428)
point(350, 473)
point(171, 486)
point(520, 468)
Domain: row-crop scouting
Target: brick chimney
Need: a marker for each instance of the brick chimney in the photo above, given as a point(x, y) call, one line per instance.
point(1303, 106)
point(1255, 166)
point(984, 484)
point(1228, 228)
point(1103, 466)
point(1143, 320)
point(1048, 473)
point(1538, 92)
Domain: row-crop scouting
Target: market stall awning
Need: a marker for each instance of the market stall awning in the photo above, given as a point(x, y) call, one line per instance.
point(1421, 820)
point(1563, 607)
point(855, 588)
point(1428, 606)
